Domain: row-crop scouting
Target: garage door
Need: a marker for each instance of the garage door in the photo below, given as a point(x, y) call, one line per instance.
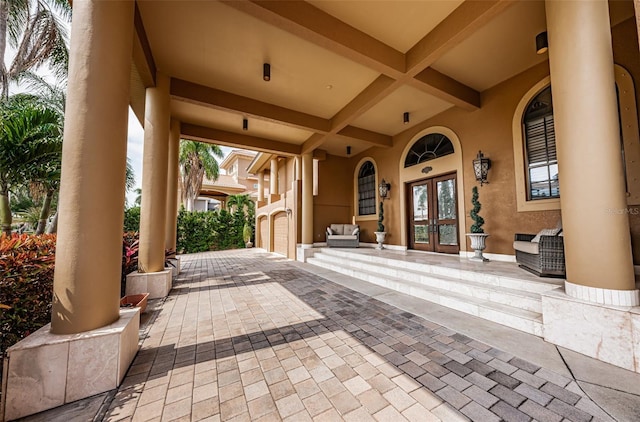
point(280, 233)
point(263, 226)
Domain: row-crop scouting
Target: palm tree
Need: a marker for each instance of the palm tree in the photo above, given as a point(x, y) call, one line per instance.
point(242, 202)
point(35, 30)
point(30, 142)
point(196, 160)
point(138, 200)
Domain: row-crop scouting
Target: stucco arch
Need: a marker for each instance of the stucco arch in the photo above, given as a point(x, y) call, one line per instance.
point(442, 165)
point(630, 138)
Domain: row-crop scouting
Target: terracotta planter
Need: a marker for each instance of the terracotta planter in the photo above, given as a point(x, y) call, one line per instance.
point(133, 301)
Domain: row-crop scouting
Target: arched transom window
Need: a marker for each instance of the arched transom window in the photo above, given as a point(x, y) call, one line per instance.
point(429, 147)
point(367, 189)
point(540, 148)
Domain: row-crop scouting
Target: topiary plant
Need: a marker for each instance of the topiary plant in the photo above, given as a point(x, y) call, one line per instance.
point(477, 220)
point(381, 218)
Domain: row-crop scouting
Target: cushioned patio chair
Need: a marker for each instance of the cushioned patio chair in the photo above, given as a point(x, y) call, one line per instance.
point(541, 254)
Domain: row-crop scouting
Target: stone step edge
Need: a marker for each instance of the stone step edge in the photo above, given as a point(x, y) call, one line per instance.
point(533, 286)
point(523, 294)
point(535, 317)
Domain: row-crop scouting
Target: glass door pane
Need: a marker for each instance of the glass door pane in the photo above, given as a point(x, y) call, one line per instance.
point(446, 199)
point(420, 203)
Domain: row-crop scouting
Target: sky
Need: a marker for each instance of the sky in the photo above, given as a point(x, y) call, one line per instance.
point(135, 142)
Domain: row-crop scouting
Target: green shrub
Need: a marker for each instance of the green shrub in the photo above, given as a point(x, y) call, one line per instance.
point(195, 231)
point(26, 285)
point(132, 219)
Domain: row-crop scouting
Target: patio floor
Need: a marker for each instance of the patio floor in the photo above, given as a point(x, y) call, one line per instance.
point(247, 335)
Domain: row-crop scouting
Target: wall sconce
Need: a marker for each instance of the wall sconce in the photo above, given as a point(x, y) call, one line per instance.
point(245, 124)
point(266, 72)
point(348, 150)
point(542, 44)
point(383, 189)
point(405, 118)
point(481, 166)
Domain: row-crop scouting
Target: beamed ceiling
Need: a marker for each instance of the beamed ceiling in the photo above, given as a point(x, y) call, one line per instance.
point(342, 72)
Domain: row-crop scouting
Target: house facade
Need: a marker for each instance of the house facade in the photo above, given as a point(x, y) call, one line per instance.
point(336, 101)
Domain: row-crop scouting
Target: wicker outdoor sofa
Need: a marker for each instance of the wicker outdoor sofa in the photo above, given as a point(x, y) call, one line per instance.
point(544, 258)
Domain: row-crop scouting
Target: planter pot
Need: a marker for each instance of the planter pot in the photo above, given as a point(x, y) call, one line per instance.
point(132, 301)
point(478, 244)
point(380, 239)
point(249, 244)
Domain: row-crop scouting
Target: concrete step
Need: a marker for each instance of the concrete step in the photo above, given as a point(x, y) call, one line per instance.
point(522, 299)
point(452, 267)
point(493, 301)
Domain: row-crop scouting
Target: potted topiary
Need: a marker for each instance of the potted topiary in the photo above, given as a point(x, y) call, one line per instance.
point(246, 235)
point(380, 234)
point(477, 236)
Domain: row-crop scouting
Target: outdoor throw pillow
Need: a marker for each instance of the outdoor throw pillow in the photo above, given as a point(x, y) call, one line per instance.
point(356, 231)
point(545, 232)
point(329, 231)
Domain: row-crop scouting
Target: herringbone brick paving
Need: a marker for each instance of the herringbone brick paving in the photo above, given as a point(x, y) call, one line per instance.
point(246, 335)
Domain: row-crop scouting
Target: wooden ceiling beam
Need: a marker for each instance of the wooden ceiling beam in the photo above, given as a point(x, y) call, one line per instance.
point(222, 137)
point(442, 86)
point(203, 95)
point(455, 28)
point(318, 27)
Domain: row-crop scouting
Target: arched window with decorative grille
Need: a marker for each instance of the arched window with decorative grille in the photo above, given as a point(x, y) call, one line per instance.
point(429, 147)
point(367, 189)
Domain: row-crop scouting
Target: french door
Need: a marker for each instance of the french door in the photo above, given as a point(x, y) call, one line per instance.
point(433, 214)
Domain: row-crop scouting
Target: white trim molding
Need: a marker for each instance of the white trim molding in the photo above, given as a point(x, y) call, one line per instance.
point(491, 256)
point(603, 296)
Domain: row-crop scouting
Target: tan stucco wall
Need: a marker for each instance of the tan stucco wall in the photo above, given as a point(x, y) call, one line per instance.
point(333, 202)
point(488, 129)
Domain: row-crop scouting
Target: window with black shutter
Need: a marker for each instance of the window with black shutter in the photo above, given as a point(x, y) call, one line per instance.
point(367, 189)
point(540, 148)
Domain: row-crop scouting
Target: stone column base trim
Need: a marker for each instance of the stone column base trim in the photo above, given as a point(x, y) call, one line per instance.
point(157, 284)
point(604, 332)
point(48, 370)
point(303, 252)
point(603, 296)
point(174, 265)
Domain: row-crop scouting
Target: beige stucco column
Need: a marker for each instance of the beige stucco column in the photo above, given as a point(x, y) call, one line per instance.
point(153, 210)
point(307, 200)
point(592, 186)
point(273, 181)
point(86, 283)
point(261, 187)
point(172, 186)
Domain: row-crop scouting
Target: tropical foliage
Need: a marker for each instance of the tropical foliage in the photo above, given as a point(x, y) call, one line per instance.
point(26, 285)
point(30, 149)
point(35, 30)
point(197, 160)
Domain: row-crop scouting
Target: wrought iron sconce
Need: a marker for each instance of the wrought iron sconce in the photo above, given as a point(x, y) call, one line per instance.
point(481, 166)
point(383, 189)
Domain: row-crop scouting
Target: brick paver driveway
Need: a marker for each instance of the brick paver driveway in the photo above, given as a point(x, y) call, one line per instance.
point(248, 336)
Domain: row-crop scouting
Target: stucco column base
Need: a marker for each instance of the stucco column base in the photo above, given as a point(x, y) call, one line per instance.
point(604, 332)
point(174, 265)
point(48, 370)
point(303, 252)
point(157, 284)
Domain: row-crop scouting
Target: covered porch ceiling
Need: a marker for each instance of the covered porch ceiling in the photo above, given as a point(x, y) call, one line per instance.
point(342, 72)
